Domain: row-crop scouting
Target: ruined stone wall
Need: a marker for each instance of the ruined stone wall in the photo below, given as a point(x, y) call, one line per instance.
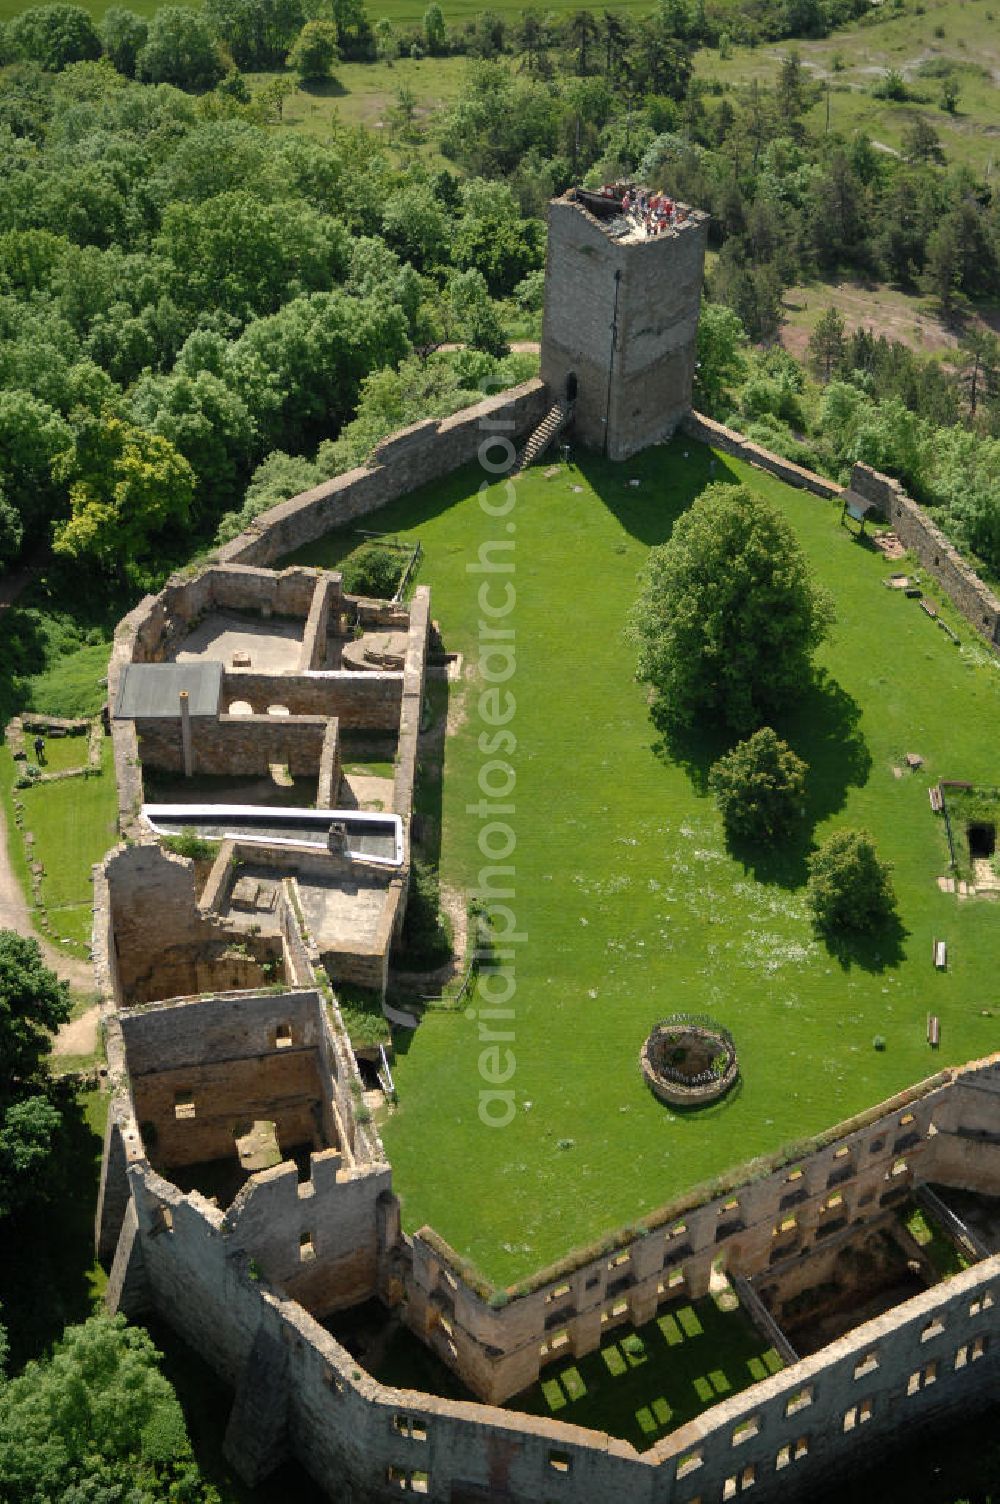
point(328, 781)
point(916, 531)
point(912, 525)
point(401, 463)
point(361, 701)
point(633, 396)
point(148, 891)
point(316, 1239)
point(327, 600)
point(365, 963)
point(729, 441)
point(414, 672)
point(846, 1181)
point(236, 745)
point(930, 1358)
point(160, 622)
point(202, 1070)
point(226, 1096)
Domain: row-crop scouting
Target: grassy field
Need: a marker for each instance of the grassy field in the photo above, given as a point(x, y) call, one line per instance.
point(853, 59)
point(630, 901)
point(74, 823)
point(913, 319)
point(365, 94)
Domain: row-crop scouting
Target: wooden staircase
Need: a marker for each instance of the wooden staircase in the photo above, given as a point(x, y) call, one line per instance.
point(554, 423)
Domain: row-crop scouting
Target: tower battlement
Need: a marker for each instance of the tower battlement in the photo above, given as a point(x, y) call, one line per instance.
point(621, 318)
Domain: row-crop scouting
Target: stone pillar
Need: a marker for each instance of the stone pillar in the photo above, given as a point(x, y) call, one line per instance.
point(187, 749)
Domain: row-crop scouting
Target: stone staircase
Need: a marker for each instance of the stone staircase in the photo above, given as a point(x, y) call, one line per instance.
point(554, 423)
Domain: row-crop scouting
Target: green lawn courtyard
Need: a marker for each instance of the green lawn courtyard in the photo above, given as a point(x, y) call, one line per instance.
point(632, 905)
point(642, 1384)
point(74, 822)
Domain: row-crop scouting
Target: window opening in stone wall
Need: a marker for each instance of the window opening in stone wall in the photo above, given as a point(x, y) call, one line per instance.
point(560, 1461)
point(306, 1250)
point(689, 1463)
point(868, 1364)
point(800, 1400)
point(184, 1108)
point(283, 1036)
point(745, 1430)
point(978, 1348)
point(409, 1426)
point(865, 1410)
point(962, 1356)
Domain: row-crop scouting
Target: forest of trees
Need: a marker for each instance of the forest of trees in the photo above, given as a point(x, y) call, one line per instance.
point(187, 291)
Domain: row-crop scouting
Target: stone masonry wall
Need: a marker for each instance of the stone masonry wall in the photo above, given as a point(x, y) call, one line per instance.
point(361, 701)
point(402, 462)
point(930, 1358)
point(915, 530)
point(847, 1181)
point(236, 745)
point(729, 441)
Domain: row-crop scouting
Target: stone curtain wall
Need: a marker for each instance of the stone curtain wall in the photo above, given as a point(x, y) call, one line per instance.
point(414, 672)
point(917, 532)
point(851, 1180)
point(729, 441)
point(402, 462)
point(930, 1358)
point(914, 528)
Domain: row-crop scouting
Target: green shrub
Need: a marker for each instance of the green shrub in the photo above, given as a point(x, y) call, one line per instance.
point(849, 888)
point(892, 85)
point(373, 569)
point(426, 936)
point(190, 844)
point(759, 787)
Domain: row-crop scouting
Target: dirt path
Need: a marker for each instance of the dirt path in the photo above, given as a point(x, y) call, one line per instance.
point(79, 1036)
point(15, 915)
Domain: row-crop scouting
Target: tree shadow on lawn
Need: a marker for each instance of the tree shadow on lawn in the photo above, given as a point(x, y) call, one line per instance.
point(877, 951)
point(824, 729)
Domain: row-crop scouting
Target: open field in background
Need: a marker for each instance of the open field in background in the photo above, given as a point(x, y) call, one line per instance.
point(913, 319)
point(907, 42)
point(365, 94)
point(632, 905)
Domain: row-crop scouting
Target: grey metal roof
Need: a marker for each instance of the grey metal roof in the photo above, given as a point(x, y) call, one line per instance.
point(150, 691)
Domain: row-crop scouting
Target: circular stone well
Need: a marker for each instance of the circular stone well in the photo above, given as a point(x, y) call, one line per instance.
point(689, 1060)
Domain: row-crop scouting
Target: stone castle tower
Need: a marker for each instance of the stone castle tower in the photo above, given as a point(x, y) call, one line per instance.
point(621, 316)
